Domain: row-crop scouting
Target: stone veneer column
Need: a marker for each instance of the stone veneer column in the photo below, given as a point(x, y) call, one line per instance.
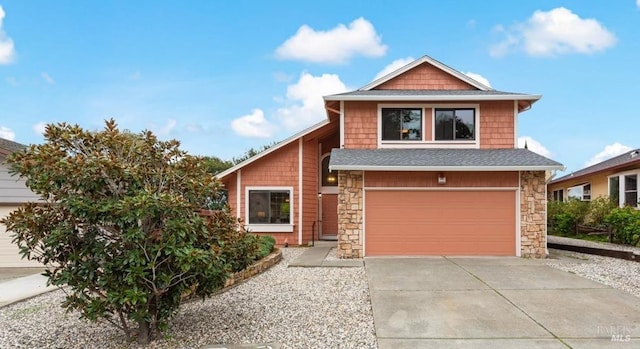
point(350, 206)
point(533, 206)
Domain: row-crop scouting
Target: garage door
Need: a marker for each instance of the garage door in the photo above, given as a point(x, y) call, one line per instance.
point(9, 255)
point(440, 223)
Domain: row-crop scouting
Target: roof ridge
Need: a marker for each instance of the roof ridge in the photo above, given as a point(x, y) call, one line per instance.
point(434, 62)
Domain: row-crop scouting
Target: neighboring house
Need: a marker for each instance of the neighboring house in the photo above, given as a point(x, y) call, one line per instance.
point(616, 178)
point(422, 161)
point(13, 193)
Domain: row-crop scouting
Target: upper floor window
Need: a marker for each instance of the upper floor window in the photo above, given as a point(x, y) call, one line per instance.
point(401, 124)
point(455, 124)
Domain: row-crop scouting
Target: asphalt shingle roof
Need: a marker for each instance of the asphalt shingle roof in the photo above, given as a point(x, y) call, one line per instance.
point(428, 93)
point(620, 160)
point(453, 159)
point(8, 147)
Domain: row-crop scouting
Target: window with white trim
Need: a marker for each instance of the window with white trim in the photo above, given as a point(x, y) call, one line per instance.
point(269, 209)
point(402, 124)
point(454, 124)
point(631, 190)
point(580, 192)
point(623, 189)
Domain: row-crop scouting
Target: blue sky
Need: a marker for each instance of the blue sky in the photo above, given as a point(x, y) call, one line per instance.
point(224, 76)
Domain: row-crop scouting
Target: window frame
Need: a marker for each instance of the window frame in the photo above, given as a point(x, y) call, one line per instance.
point(324, 189)
point(433, 129)
point(622, 190)
point(582, 195)
point(400, 140)
point(560, 194)
point(269, 227)
point(431, 143)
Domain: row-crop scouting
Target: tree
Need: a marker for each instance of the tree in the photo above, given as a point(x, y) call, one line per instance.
point(251, 153)
point(216, 165)
point(120, 227)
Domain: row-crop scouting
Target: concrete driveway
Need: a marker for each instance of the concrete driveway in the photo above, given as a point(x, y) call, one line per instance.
point(488, 302)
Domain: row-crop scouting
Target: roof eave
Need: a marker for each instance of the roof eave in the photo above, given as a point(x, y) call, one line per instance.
point(425, 98)
point(571, 177)
point(277, 146)
point(443, 168)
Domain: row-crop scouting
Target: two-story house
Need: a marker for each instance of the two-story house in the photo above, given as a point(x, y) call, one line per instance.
point(423, 161)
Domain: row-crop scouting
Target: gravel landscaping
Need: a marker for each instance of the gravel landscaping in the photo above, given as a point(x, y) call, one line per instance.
point(297, 307)
point(617, 273)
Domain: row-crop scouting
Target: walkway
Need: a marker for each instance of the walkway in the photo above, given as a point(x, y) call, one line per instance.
point(316, 256)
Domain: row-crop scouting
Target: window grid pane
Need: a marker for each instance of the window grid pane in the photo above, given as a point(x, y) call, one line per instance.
point(631, 190)
point(401, 124)
point(268, 207)
point(454, 124)
point(614, 189)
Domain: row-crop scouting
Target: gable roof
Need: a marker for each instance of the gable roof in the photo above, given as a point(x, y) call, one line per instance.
point(7, 147)
point(440, 160)
point(425, 59)
point(628, 158)
point(273, 148)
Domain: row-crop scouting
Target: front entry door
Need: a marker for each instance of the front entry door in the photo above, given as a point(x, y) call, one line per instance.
point(329, 217)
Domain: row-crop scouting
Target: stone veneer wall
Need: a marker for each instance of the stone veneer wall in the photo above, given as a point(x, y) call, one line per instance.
point(350, 209)
point(533, 207)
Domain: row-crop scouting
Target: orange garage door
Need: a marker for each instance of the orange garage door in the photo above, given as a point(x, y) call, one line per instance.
point(440, 223)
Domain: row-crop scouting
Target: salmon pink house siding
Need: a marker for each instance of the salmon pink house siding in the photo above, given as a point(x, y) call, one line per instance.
point(425, 77)
point(421, 161)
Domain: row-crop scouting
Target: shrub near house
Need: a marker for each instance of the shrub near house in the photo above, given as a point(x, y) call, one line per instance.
point(120, 226)
point(599, 214)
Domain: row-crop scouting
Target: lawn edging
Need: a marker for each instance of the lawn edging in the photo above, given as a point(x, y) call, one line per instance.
point(254, 269)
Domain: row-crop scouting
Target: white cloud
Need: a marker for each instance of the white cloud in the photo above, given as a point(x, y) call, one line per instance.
point(46, 77)
point(393, 66)
point(479, 78)
point(638, 3)
point(164, 130)
point(558, 31)
point(533, 145)
point(7, 50)
point(39, 128)
point(304, 98)
point(253, 125)
point(334, 46)
point(609, 151)
point(6, 132)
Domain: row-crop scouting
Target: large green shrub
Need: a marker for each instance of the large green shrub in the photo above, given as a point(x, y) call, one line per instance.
point(625, 223)
point(564, 216)
point(119, 225)
point(597, 210)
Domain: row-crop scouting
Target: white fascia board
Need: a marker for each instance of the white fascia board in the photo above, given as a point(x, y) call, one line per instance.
point(272, 149)
point(441, 168)
point(433, 62)
point(447, 98)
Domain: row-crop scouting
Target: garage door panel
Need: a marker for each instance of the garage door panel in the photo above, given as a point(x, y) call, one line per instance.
point(440, 223)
